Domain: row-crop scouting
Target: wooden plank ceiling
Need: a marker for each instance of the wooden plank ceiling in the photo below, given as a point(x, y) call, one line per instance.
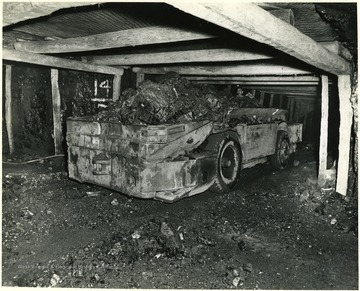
point(156, 38)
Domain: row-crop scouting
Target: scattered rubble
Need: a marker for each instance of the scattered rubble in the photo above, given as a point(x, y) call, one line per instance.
point(304, 195)
point(320, 208)
point(136, 235)
point(93, 194)
point(237, 275)
point(317, 195)
point(55, 280)
point(206, 241)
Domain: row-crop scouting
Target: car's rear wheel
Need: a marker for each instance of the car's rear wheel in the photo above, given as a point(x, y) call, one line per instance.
point(228, 163)
point(280, 159)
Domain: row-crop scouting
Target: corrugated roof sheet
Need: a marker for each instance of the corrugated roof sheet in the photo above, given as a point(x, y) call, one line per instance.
point(108, 17)
point(81, 23)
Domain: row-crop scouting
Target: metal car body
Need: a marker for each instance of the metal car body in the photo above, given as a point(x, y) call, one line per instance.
point(168, 162)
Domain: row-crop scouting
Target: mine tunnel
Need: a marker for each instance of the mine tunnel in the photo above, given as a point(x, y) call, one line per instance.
point(177, 145)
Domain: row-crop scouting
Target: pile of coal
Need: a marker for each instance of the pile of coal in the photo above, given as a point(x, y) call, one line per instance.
point(173, 99)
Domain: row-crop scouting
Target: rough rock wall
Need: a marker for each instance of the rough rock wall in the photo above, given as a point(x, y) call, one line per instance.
point(32, 104)
point(343, 20)
point(31, 107)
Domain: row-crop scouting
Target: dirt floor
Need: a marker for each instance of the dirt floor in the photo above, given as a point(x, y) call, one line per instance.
point(276, 230)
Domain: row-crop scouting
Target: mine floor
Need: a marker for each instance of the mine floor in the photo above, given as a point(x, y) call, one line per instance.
point(275, 230)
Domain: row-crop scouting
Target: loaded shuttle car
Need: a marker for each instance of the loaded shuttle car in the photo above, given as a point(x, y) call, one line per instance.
point(169, 162)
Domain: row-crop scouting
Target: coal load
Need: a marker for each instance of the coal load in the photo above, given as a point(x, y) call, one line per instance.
point(170, 100)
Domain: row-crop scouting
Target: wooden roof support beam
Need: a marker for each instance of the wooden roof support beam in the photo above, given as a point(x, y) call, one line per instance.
point(269, 79)
point(257, 80)
point(295, 95)
point(253, 22)
point(251, 83)
point(284, 92)
point(302, 97)
point(291, 89)
point(54, 62)
point(208, 55)
point(238, 69)
point(117, 39)
point(337, 48)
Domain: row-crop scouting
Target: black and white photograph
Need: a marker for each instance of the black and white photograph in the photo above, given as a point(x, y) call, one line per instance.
point(180, 145)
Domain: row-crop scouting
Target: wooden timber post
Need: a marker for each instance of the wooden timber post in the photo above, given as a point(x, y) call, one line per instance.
point(293, 109)
point(346, 117)
point(281, 101)
point(116, 87)
point(291, 106)
point(323, 130)
point(288, 104)
point(56, 103)
point(262, 96)
point(139, 78)
point(297, 107)
point(271, 100)
point(8, 108)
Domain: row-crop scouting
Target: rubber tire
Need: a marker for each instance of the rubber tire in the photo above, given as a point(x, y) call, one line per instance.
point(223, 143)
point(280, 159)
